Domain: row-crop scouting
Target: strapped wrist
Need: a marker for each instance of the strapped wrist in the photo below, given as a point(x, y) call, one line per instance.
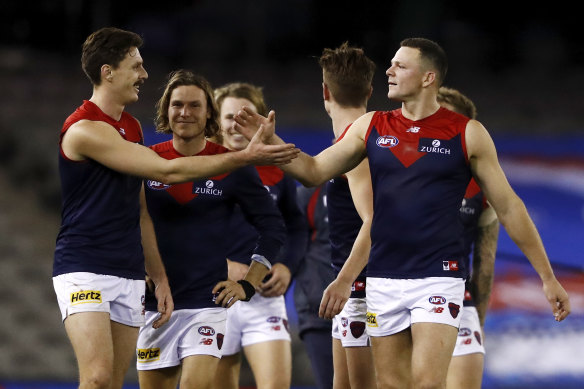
point(248, 288)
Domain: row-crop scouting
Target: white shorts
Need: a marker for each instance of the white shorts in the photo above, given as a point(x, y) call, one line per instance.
point(395, 304)
point(188, 332)
point(122, 298)
point(262, 319)
point(470, 338)
point(349, 324)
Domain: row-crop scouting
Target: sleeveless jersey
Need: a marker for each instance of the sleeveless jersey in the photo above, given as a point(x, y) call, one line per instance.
point(473, 204)
point(100, 228)
point(344, 223)
point(191, 221)
point(419, 171)
point(282, 189)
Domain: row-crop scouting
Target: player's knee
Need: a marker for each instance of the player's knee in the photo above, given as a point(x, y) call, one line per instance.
point(96, 380)
point(428, 383)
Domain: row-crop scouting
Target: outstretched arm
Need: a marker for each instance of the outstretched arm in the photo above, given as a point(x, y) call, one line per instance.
point(310, 171)
point(512, 214)
point(338, 292)
point(101, 142)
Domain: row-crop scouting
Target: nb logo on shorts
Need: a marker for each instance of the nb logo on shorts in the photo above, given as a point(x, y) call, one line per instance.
point(85, 296)
point(147, 354)
point(371, 319)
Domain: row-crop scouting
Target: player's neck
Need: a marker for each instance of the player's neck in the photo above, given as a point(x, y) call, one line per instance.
point(342, 117)
point(108, 104)
point(421, 107)
point(188, 146)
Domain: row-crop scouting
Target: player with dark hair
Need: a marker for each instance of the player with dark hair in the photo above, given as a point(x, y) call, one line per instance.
point(106, 242)
point(421, 158)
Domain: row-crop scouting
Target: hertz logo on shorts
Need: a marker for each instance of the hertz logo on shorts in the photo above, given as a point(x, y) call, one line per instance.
point(371, 319)
point(147, 354)
point(85, 296)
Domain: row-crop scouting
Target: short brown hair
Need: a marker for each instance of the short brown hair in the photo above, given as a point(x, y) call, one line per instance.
point(108, 45)
point(461, 104)
point(348, 74)
point(431, 54)
point(242, 90)
point(184, 77)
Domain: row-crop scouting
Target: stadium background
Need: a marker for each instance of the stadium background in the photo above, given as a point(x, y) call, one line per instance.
point(522, 65)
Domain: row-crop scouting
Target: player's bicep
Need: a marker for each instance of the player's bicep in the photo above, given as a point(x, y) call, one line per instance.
point(348, 152)
point(102, 143)
point(486, 168)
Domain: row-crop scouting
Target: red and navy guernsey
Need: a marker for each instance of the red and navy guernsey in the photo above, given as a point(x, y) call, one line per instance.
point(192, 220)
point(473, 204)
point(344, 224)
point(282, 189)
point(419, 171)
point(100, 227)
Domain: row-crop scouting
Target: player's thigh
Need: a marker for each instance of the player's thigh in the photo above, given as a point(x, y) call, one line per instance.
point(360, 367)
point(198, 371)
point(124, 343)
point(392, 356)
point(271, 363)
point(433, 344)
point(465, 372)
point(227, 372)
point(91, 338)
point(341, 374)
point(166, 378)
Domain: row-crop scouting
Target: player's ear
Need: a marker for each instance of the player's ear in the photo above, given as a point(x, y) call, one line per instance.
point(429, 78)
point(326, 93)
point(106, 72)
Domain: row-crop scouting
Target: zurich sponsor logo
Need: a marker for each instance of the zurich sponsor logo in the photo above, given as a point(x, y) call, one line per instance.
point(387, 141)
point(437, 300)
point(156, 185)
point(436, 143)
point(209, 184)
point(206, 331)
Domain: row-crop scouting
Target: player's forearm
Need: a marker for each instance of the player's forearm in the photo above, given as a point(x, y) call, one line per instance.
point(484, 266)
point(197, 167)
point(152, 260)
point(256, 273)
point(304, 169)
point(523, 232)
point(358, 257)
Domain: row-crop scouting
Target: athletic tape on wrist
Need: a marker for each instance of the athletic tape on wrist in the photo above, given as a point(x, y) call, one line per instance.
point(247, 288)
point(261, 259)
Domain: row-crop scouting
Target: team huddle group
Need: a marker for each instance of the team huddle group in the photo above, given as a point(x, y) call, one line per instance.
point(180, 253)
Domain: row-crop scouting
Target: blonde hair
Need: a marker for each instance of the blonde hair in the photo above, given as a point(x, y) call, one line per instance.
point(461, 104)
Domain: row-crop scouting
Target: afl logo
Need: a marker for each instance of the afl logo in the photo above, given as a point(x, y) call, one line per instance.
point(387, 141)
point(156, 185)
point(464, 332)
point(206, 331)
point(437, 300)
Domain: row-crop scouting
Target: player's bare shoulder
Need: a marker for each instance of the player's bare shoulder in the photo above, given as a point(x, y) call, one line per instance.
point(359, 128)
point(86, 134)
